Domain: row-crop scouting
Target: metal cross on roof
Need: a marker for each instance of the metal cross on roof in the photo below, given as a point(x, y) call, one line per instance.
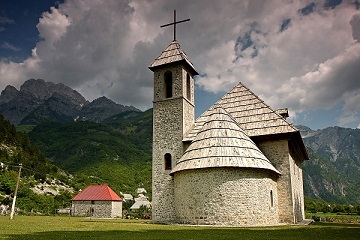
point(174, 23)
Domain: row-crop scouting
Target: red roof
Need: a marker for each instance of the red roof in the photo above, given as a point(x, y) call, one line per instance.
point(97, 193)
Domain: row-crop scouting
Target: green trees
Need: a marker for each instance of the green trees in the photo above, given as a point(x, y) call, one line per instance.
point(317, 205)
point(15, 148)
point(117, 152)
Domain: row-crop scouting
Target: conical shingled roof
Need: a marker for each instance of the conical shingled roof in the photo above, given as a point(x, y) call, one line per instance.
point(173, 53)
point(254, 116)
point(222, 143)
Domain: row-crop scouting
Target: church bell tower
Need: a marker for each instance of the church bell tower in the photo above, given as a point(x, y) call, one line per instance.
point(173, 115)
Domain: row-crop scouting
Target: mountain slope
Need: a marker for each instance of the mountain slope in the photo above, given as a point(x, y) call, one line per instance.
point(118, 153)
point(333, 172)
point(16, 148)
point(37, 175)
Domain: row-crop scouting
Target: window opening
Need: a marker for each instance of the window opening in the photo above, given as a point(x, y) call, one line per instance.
point(188, 87)
point(271, 199)
point(167, 161)
point(168, 84)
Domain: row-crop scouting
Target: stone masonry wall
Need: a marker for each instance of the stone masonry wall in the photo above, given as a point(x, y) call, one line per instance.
point(188, 105)
point(96, 209)
point(278, 153)
point(298, 187)
point(226, 196)
point(171, 117)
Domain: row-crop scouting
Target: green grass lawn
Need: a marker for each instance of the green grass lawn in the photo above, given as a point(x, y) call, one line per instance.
point(49, 227)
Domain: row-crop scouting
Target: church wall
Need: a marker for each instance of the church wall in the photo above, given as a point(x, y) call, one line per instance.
point(298, 190)
point(96, 209)
point(226, 196)
point(165, 140)
point(170, 118)
point(277, 152)
point(188, 104)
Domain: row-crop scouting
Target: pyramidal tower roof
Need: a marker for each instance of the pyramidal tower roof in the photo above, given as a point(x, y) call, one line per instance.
point(173, 53)
point(222, 143)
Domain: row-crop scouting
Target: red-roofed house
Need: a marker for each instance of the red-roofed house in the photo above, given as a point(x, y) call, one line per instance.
point(98, 201)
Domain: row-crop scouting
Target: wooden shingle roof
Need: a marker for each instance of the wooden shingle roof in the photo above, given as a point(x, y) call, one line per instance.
point(97, 193)
point(222, 143)
point(173, 53)
point(253, 115)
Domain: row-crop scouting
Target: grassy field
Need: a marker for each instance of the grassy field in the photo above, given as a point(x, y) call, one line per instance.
point(41, 227)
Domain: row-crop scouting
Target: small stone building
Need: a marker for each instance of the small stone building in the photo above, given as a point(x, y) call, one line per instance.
point(98, 201)
point(239, 163)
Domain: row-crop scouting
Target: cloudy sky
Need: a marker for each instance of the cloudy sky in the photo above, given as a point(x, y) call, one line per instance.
point(304, 55)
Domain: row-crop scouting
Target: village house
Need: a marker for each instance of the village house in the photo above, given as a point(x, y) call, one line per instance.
point(98, 201)
point(239, 163)
point(140, 200)
point(127, 197)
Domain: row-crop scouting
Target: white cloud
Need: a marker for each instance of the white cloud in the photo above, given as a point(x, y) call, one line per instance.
point(52, 26)
point(335, 80)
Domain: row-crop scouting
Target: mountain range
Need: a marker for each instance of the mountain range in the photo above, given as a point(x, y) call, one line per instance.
point(113, 145)
point(38, 101)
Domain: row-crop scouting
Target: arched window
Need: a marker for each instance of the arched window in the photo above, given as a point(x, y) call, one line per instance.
point(188, 87)
point(168, 84)
point(167, 159)
point(271, 199)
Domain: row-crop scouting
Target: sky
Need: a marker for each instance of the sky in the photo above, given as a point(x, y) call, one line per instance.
point(299, 54)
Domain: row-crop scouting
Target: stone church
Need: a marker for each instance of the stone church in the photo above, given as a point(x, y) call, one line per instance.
point(239, 163)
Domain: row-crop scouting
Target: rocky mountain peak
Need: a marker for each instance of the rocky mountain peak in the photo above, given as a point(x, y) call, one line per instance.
point(102, 108)
point(39, 101)
point(102, 101)
point(42, 90)
point(8, 94)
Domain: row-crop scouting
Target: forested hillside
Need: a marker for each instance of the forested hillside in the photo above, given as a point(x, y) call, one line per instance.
point(117, 152)
point(15, 148)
